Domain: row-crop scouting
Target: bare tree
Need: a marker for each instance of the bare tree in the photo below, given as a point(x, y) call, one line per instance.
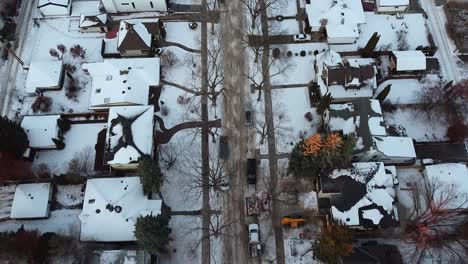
point(82, 163)
point(256, 7)
point(402, 39)
point(220, 226)
point(168, 155)
point(280, 119)
point(438, 211)
point(215, 68)
point(432, 101)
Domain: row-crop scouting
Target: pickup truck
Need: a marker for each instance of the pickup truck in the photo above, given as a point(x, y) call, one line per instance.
point(255, 247)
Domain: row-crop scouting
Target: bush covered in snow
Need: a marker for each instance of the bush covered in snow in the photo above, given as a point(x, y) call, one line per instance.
point(42, 104)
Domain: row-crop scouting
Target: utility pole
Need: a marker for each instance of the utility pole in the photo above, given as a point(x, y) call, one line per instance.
point(5, 46)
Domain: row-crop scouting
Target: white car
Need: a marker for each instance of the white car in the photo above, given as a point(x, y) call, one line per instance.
point(254, 236)
point(301, 37)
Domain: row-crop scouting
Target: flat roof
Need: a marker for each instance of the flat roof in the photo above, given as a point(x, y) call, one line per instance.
point(31, 201)
point(393, 2)
point(410, 60)
point(43, 74)
point(41, 130)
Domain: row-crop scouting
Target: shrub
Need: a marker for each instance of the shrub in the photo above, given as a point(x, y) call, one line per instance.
point(308, 116)
point(43, 171)
point(42, 104)
point(64, 124)
point(457, 132)
point(69, 67)
point(164, 110)
point(54, 53)
point(152, 232)
point(13, 139)
point(78, 51)
point(59, 143)
point(72, 89)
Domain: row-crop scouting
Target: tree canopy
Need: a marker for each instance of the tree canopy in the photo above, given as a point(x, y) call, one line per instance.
point(334, 242)
point(13, 139)
point(150, 174)
point(152, 232)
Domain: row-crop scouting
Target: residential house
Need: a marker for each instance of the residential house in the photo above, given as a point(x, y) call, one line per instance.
point(44, 75)
point(345, 79)
point(392, 6)
point(111, 207)
point(94, 23)
point(127, 6)
point(119, 82)
point(54, 7)
point(139, 37)
point(374, 254)
point(341, 19)
point(407, 61)
point(129, 136)
point(446, 178)
point(31, 201)
point(363, 118)
point(41, 130)
point(363, 196)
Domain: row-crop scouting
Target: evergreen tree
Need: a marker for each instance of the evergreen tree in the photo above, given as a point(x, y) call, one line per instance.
point(334, 242)
point(64, 124)
point(59, 143)
point(384, 93)
point(150, 174)
point(13, 139)
point(152, 232)
point(370, 46)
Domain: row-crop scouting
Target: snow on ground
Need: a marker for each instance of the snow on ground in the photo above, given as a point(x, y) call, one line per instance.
point(283, 8)
point(69, 195)
point(186, 233)
point(297, 69)
point(288, 26)
point(298, 251)
point(181, 33)
point(404, 91)
point(77, 139)
point(64, 222)
point(407, 177)
point(388, 25)
point(289, 108)
point(417, 126)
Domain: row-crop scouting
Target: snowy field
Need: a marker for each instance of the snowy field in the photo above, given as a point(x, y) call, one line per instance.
point(180, 32)
point(69, 195)
point(404, 91)
point(77, 139)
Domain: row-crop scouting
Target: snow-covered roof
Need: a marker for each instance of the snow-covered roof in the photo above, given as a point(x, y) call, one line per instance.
point(87, 20)
point(342, 31)
point(395, 146)
point(333, 13)
point(129, 134)
point(40, 130)
point(53, 2)
point(368, 195)
point(410, 60)
point(454, 175)
point(136, 33)
point(393, 2)
point(43, 74)
point(122, 81)
point(111, 207)
point(31, 201)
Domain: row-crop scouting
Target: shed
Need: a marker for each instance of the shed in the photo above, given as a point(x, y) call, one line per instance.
point(31, 201)
point(94, 23)
point(392, 6)
point(410, 60)
point(41, 130)
point(54, 7)
point(44, 75)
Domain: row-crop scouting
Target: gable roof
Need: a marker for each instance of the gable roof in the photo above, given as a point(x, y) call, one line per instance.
point(98, 20)
point(122, 81)
point(111, 207)
point(40, 130)
point(366, 195)
point(129, 134)
point(63, 3)
point(43, 74)
point(31, 201)
point(336, 13)
point(137, 34)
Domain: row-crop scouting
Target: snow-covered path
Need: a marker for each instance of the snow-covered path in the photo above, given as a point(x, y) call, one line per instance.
point(437, 21)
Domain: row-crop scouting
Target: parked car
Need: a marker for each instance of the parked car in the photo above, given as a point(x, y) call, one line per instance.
point(301, 37)
point(223, 148)
point(248, 118)
point(252, 171)
point(254, 240)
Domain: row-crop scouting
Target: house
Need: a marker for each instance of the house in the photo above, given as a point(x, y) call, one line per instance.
point(138, 37)
point(362, 196)
point(345, 79)
point(44, 75)
point(54, 7)
point(126, 6)
point(94, 23)
point(392, 6)
point(407, 61)
point(119, 82)
point(129, 136)
point(31, 200)
point(449, 177)
point(124, 256)
point(111, 207)
point(374, 254)
point(41, 130)
point(341, 19)
point(363, 118)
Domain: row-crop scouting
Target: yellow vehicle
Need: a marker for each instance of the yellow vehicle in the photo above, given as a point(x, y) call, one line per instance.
point(292, 221)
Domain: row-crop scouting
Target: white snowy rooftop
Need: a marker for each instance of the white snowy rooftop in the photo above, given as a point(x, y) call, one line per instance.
point(410, 60)
point(40, 130)
point(393, 2)
point(333, 13)
point(31, 201)
point(122, 81)
point(453, 175)
point(111, 207)
point(139, 27)
point(379, 193)
point(118, 148)
point(54, 2)
point(395, 146)
point(92, 20)
point(43, 74)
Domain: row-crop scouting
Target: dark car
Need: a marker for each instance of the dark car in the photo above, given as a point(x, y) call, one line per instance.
point(223, 148)
point(252, 171)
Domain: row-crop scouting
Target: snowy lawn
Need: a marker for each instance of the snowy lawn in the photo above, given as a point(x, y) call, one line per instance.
point(404, 91)
point(283, 8)
point(181, 33)
point(388, 25)
point(407, 178)
point(64, 222)
point(286, 27)
point(79, 138)
point(298, 251)
point(417, 126)
point(69, 195)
